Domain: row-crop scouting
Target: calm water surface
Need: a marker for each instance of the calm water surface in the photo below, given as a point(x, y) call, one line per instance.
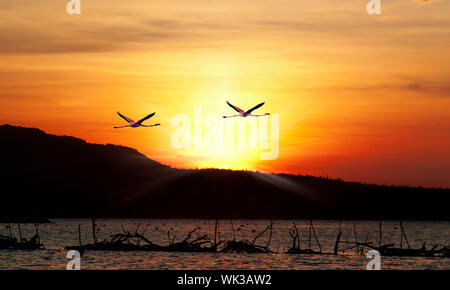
point(64, 232)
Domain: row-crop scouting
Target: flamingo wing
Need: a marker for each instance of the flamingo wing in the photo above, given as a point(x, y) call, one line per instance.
point(145, 118)
point(125, 118)
point(254, 108)
point(236, 108)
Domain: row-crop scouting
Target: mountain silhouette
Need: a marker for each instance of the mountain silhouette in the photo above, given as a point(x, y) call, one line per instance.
point(48, 176)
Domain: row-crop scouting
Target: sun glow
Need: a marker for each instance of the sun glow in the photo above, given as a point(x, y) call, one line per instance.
point(236, 160)
point(234, 143)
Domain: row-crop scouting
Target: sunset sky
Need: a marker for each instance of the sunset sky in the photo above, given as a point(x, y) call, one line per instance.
point(360, 97)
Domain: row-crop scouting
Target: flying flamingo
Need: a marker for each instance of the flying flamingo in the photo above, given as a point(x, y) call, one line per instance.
point(136, 124)
point(243, 113)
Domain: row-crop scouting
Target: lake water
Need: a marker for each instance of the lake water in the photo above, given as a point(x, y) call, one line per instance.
point(64, 232)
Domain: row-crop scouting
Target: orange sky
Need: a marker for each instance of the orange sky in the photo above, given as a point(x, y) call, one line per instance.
point(361, 97)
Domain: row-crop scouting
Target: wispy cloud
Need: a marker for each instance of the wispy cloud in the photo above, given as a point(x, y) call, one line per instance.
point(423, 2)
point(84, 38)
point(437, 88)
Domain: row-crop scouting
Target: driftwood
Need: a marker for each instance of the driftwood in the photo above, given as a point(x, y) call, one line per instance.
point(356, 238)
point(443, 252)
point(127, 241)
point(242, 247)
point(118, 242)
point(246, 246)
point(12, 243)
point(195, 245)
point(296, 249)
point(390, 251)
point(338, 238)
point(132, 242)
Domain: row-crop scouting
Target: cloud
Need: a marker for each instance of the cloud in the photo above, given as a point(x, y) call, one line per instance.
point(438, 88)
point(82, 38)
point(92, 36)
point(347, 26)
point(112, 31)
point(428, 86)
point(424, 2)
